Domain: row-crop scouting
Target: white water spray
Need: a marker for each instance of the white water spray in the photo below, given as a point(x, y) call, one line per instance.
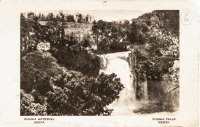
point(118, 63)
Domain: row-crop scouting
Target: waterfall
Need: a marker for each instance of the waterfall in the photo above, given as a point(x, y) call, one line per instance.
point(119, 64)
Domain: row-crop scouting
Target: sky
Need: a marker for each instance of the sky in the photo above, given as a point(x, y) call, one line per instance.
point(106, 15)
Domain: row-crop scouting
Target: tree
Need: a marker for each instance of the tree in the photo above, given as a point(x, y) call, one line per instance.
point(156, 44)
point(29, 108)
point(87, 18)
point(50, 16)
point(79, 18)
point(57, 90)
point(84, 96)
point(170, 20)
point(62, 16)
point(22, 16)
point(70, 18)
point(156, 48)
point(43, 18)
point(30, 15)
point(108, 36)
point(31, 34)
point(80, 60)
point(37, 68)
point(50, 89)
point(86, 41)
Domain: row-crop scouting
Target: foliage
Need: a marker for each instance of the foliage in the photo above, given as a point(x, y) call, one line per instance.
point(70, 18)
point(166, 97)
point(87, 41)
point(61, 17)
point(28, 107)
point(155, 46)
point(30, 35)
point(58, 91)
point(84, 96)
point(68, 50)
point(76, 58)
point(152, 37)
point(170, 20)
point(155, 42)
point(108, 36)
point(36, 70)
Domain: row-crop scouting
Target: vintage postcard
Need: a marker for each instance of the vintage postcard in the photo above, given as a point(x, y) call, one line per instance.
point(110, 63)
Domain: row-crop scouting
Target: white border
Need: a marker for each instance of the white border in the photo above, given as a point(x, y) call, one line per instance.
point(10, 70)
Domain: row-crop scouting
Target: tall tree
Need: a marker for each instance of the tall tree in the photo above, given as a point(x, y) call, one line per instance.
point(62, 16)
point(79, 18)
point(70, 18)
point(50, 16)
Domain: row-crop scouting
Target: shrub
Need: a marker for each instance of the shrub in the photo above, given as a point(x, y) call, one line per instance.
point(81, 60)
point(36, 70)
point(63, 92)
point(84, 96)
point(29, 107)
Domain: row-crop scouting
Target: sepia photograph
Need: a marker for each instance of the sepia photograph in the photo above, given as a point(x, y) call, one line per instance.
point(99, 62)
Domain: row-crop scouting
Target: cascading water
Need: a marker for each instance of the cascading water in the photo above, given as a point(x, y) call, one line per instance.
point(118, 63)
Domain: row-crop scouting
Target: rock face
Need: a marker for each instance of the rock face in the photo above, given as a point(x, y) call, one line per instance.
point(122, 64)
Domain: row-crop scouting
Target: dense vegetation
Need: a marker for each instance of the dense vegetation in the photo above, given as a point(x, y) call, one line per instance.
point(50, 89)
point(155, 38)
point(64, 79)
point(67, 49)
point(79, 18)
point(156, 44)
point(110, 36)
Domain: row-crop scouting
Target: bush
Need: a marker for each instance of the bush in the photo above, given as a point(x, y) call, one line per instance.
point(36, 70)
point(110, 36)
point(29, 107)
point(69, 52)
point(84, 96)
point(31, 32)
point(64, 92)
point(81, 60)
point(155, 39)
